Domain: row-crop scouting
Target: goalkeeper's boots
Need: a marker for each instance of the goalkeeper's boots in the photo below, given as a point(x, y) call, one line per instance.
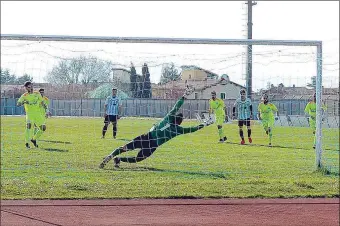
point(34, 143)
point(242, 142)
point(116, 161)
point(250, 140)
point(105, 160)
point(27, 146)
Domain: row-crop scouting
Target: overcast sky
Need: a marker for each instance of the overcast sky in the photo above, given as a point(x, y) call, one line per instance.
point(223, 19)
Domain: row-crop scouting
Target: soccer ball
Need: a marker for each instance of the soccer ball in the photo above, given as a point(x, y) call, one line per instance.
point(225, 77)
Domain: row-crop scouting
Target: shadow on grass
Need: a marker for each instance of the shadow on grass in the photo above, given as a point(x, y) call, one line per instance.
point(123, 139)
point(193, 173)
point(54, 150)
point(278, 146)
point(56, 141)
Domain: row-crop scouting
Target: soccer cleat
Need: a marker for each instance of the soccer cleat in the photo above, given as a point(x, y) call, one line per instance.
point(27, 146)
point(313, 146)
point(105, 160)
point(117, 162)
point(222, 140)
point(270, 144)
point(242, 142)
point(34, 143)
point(101, 166)
point(114, 137)
point(250, 140)
point(103, 137)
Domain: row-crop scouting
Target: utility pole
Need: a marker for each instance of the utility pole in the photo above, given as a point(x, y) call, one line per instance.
point(249, 69)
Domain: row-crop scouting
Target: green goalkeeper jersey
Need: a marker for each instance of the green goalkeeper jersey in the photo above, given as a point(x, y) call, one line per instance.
point(166, 129)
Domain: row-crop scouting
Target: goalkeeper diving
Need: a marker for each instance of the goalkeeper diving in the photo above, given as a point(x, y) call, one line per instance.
point(159, 134)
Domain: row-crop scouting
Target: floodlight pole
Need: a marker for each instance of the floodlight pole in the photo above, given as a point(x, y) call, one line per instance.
point(249, 69)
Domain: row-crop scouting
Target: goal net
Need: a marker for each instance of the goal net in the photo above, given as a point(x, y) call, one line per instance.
point(79, 74)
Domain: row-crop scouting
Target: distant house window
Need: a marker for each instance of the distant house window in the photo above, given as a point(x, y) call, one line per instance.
point(196, 96)
point(189, 76)
point(223, 96)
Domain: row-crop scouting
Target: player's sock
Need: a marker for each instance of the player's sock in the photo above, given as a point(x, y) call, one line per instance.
point(38, 134)
point(36, 129)
point(220, 133)
point(104, 130)
point(249, 132)
point(241, 134)
point(270, 136)
point(114, 130)
point(28, 135)
point(128, 159)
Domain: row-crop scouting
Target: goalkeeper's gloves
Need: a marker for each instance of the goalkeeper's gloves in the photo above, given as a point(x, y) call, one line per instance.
point(188, 91)
point(208, 122)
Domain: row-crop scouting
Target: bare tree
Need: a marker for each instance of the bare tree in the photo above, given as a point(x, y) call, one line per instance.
point(80, 70)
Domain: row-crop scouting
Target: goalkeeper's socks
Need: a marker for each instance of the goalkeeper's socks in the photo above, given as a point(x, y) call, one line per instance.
point(28, 135)
point(117, 152)
point(129, 159)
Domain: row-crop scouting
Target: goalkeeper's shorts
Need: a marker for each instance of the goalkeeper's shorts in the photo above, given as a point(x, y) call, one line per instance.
point(219, 119)
point(268, 123)
point(37, 119)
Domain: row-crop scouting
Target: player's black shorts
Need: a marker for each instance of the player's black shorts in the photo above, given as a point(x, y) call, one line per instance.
point(110, 118)
point(245, 122)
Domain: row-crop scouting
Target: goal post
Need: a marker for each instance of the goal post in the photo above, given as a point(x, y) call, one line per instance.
point(253, 42)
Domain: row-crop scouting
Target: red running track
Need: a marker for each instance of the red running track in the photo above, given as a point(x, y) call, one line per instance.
point(193, 212)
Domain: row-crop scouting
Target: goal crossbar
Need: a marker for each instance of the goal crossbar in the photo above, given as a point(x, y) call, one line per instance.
point(69, 38)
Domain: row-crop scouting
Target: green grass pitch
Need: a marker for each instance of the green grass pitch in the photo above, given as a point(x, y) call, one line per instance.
point(65, 166)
